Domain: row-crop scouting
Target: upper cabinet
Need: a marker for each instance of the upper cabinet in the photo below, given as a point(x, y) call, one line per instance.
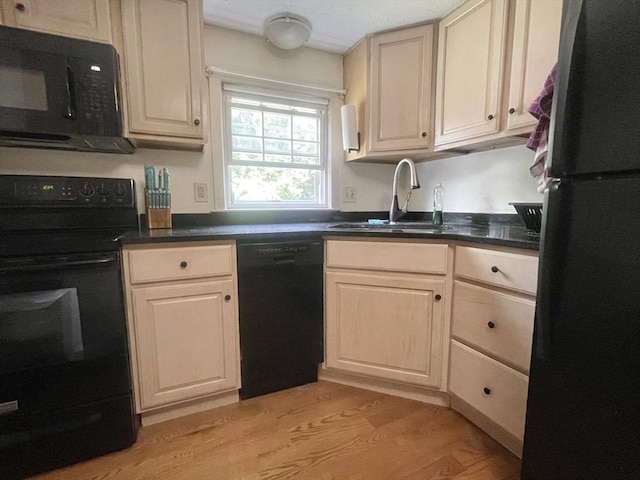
point(493, 58)
point(163, 70)
point(536, 37)
point(88, 19)
point(389, 77)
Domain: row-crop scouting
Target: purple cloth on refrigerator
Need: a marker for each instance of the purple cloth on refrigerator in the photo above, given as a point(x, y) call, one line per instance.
point(541, 109)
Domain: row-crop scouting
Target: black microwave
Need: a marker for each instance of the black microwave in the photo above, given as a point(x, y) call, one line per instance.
point(59, 93)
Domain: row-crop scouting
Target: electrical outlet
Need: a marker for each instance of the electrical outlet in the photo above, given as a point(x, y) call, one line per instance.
point(200, 192)
point(349, 194)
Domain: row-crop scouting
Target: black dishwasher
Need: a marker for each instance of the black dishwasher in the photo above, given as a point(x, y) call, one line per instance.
point(281, 314)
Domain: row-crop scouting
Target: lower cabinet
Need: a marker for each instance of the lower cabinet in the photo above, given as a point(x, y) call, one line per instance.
point(185, 338)
point(385, 326)
point(385, 310)
point(183, 322)
point(491, 330)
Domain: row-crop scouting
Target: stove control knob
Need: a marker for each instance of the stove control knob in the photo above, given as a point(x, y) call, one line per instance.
point(87, 190)
point(120, 190)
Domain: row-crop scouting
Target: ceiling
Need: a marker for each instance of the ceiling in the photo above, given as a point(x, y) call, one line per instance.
point(336, 24)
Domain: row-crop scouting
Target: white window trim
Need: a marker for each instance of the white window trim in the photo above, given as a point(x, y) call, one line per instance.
point(249, 91)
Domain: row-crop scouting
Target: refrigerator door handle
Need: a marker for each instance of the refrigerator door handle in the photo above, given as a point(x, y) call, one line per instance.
point(549, 273)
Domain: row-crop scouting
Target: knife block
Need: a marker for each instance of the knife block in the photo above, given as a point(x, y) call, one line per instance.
point(156, 217)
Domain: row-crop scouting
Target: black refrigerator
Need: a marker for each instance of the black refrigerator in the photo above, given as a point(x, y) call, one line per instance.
point(583, 411)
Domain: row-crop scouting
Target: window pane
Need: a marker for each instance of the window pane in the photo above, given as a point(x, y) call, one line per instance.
point(247, 143)
point(268, 184)
point(277, 146)
point(305, 128)
point(246, 122)
point(306, 160)
point(247, 157)
point(305, 148)
point(277, 125)
point(277, 158)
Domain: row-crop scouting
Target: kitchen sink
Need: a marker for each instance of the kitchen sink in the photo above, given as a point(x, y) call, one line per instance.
point(417, 227)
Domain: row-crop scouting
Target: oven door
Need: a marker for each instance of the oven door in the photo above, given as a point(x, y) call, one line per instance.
point(63, 338)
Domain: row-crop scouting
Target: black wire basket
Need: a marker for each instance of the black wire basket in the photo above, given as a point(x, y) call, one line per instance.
point(530, 214)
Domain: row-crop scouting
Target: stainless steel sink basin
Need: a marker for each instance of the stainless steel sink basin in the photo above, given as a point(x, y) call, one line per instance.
point(417, 227)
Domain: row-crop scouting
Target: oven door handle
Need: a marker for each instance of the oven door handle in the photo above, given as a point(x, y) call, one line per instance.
point(59, 264)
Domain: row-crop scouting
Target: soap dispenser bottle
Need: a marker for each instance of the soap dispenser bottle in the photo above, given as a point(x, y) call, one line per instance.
point(438, 199)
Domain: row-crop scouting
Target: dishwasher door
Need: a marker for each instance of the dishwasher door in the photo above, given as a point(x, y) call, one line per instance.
point(280, 289)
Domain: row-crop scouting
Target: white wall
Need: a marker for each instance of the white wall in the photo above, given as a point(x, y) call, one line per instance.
point(481, 182)
point(478, 182)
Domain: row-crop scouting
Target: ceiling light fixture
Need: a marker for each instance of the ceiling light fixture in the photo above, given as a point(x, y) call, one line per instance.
point(287, 31)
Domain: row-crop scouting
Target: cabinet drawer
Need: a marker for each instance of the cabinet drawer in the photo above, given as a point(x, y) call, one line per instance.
point(499, 324)
point(508, 270)
point(389, 256)
point(177, 263)
point(495, 390)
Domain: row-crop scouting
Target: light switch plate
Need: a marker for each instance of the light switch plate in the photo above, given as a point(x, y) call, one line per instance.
point(349, 194)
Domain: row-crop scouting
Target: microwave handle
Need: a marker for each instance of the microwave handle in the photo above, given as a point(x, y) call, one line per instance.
point(71, 95)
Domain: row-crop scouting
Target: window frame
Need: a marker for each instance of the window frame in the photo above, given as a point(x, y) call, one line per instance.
point(283, 98)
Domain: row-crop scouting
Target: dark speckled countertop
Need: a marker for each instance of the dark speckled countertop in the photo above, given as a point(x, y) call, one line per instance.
point(507, 235)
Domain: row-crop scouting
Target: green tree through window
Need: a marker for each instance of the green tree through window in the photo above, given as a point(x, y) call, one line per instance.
point(275, 152)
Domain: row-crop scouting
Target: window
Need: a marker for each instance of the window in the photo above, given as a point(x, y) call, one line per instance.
point(275, 151)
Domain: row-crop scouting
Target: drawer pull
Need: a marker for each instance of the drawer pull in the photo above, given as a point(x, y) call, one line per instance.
point(227, 298)
point(20, 7)
point(495, 269)
point(491, 325)
point(486, 390)
point(183, 264)
point(438, 297)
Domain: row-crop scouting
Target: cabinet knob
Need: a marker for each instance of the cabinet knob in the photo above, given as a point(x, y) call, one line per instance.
point(183, 264)
point(512, 111)
point(227, 298)
point(20, 7)
point(196, 122)
point(438, 297)
point(491, 117)
point(424, 134)
point(491, 325)
point(495, 269)
point(486, 390)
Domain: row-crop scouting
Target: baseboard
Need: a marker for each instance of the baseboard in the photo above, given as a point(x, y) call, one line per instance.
point(506, 439)
point(196, 406)
point(421, 394)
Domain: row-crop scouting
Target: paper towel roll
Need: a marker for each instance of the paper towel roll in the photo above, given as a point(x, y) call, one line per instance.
point(350, 140)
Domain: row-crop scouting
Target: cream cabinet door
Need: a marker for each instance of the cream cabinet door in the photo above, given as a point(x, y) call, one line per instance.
point(186, 341)
point(87, 19)
point(536, 36)
point(163, 66)
point(401, 89)
point(385, 326)
point(470, 71)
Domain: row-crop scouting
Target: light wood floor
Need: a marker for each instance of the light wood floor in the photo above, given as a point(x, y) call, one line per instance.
point(322, 431)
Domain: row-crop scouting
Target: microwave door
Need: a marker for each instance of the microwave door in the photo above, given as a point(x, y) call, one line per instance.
point(35, 97)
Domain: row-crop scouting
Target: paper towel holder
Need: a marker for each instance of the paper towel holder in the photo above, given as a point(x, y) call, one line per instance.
point(350, 133)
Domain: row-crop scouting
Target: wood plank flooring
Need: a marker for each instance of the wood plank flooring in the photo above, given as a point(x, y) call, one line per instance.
point(321, 431)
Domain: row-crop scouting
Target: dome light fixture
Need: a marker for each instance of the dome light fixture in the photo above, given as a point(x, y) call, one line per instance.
point(287, 31)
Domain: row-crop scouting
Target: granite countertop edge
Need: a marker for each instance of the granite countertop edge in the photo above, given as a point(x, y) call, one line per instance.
point(508, 236)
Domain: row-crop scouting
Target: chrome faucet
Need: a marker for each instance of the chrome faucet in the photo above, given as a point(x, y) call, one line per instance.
point(396, 212)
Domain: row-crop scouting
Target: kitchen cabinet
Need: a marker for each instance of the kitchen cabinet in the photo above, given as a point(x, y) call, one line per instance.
point(85, 19)
point(389, 78)
point(385, 310)
point(183, 322)
point(163, 72)
point(491, 335)
point(493, 58)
